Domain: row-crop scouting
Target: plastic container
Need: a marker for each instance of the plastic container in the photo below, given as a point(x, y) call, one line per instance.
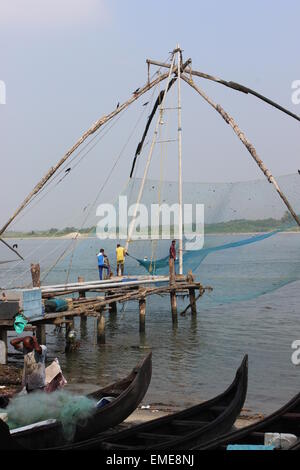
point(30, 300)
point(56, 305)
point(280, 440)
point(9, 309)
point(104, 401)
point(2, 352)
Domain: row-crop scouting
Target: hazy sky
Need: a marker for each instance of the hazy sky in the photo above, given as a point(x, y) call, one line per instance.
point(65, 63)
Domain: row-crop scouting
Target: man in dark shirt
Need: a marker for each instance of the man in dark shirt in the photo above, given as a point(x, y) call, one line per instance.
point(173, 250)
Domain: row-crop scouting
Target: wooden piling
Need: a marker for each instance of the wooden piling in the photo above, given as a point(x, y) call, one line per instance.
point(41, 334)
point(113, 307)
point(82, 295)
point(101, 328)
point(142, 311)
point(193, 301)
point(69, 326)
point(173, 292)
point(173, 306)
point(35, 275)
point(172, 271)
point(70, 341)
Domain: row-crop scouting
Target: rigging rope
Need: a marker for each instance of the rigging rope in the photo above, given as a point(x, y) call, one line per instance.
point(105, 183)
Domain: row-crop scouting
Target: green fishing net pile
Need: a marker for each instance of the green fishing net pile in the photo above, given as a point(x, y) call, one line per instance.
point(61, 405)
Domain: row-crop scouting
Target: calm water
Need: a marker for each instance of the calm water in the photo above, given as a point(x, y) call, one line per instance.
point(197, 359)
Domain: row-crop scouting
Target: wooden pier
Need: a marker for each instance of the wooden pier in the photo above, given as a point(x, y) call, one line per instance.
point(110, 292)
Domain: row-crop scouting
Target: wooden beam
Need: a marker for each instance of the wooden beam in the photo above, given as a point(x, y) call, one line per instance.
point(251, 149)
point(11, 248)
point(231, 84)
point(99, 123)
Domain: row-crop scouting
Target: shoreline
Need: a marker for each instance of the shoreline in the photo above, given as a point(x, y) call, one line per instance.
point(159, 410)
point(10, 384)
point(83, 236)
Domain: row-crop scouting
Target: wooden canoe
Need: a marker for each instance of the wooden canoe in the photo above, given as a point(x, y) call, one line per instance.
point(285, 420)
point(127, 393)
point(182, 430)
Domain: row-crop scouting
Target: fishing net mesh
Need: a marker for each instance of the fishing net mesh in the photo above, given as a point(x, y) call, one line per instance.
point(61, 405)
point(251, 242)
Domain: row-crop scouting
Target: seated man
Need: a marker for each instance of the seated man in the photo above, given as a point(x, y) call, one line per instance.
point(34, 376)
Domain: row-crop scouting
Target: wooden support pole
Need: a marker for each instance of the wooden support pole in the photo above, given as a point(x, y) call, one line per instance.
point(83, 318)
point(173, 292)
point(41, 334)
point(81, 292)
point(229, 84)
point(101, 328)
point(142, 310)
point(193, 301)
point(100, 122)
point(173, 305)
point(171, 271)
point(3, 346)
point(251, 149)
point(69, 326)
point(71, 343)
point(36, 275)
point(114, 308)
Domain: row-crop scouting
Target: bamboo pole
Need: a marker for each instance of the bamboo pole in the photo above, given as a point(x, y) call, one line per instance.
point(154, 140)
point(179, 162)
point(142, 185)
point(11, 248)
point(231, 84)
point(251, 149)
point(89, 132)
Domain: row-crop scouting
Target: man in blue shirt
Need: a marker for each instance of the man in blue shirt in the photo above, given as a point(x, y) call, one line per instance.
point(101, 263)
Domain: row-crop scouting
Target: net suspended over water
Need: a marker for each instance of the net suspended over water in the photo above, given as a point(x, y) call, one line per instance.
point(251, 244)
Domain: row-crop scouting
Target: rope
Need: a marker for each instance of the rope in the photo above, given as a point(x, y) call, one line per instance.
point(104, 185)
point(100, 137)
point(163, 156)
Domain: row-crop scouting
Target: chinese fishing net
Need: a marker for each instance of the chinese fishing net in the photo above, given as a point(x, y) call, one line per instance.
point(251, 243)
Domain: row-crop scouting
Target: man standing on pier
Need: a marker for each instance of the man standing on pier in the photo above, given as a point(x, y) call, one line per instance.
point(173, 250)
point(102, 263)
point(120, 252)
point(34, 375)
